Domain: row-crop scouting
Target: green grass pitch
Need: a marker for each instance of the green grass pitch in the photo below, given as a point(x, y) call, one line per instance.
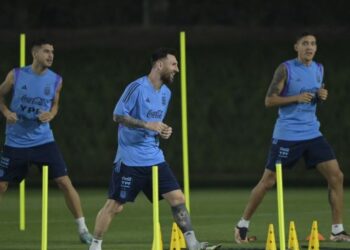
point(214, 214)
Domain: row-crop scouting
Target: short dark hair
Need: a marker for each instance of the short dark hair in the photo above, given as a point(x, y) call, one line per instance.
point(40, 41)
point(161, 53)
point(303, 34)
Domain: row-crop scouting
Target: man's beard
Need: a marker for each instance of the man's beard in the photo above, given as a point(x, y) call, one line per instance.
point(166, 77)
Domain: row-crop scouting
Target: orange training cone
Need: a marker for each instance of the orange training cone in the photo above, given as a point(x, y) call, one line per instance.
point(320, 237)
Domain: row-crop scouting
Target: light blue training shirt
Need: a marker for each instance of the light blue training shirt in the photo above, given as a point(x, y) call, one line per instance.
point(298, 121)
point(32, 93)
point(140, 100)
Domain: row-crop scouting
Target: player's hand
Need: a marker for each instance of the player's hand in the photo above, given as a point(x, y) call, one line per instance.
point(166, 133)
point(156, 126)
point(305, 97)
point(11, 117)
point(322, 93)
point(45, 116)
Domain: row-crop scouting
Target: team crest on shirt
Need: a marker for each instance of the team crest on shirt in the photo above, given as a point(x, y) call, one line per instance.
point(163, 100)
point(47, 90)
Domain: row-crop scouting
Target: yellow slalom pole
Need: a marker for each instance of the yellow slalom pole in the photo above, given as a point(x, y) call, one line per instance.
point(44, 212)
point(184, 118)
point(156, 224)
point(280, 205)
point(22, 185)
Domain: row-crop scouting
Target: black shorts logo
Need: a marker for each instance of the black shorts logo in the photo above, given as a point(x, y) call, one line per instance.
point(283, 153)
point(125, 186)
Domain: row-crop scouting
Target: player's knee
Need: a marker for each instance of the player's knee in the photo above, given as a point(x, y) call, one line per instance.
point(63, 183)
point(180, 199)
point(336, 178)
point(3, 187)
point(118, 209)
point(340, 176)
point(113, 207)
point(270, 183)
point(267, 183)
point(175, 198)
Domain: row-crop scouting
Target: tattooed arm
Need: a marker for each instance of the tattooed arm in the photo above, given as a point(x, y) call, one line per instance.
point(278, 82)
point(131, 122)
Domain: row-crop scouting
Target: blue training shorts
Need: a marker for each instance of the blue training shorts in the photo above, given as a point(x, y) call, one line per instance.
point(126, 182)
point(314, 151)
point(14, 162)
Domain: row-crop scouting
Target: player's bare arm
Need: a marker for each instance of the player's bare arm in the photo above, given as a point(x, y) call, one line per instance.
point(136, 123)
point(273, 95)
point(48, 116)
point(5, 88)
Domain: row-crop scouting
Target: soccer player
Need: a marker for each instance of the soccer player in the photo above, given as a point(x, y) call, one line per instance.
point(296, 88)
point(29, 138)
point(140, 112)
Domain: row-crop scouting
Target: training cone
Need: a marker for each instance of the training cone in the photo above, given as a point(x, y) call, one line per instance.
point(177, 241)
point(293, 243)
point(158, 245)
point(181, 238)
point(320, 237)
point(270, 242)
point(314, 244)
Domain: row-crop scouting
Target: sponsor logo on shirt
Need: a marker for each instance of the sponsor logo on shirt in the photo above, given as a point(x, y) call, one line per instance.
point(35, 100)
point(28, 109)
point(155, 114)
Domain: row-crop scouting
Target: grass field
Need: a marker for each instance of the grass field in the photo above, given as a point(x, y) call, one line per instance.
point(214, 213)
